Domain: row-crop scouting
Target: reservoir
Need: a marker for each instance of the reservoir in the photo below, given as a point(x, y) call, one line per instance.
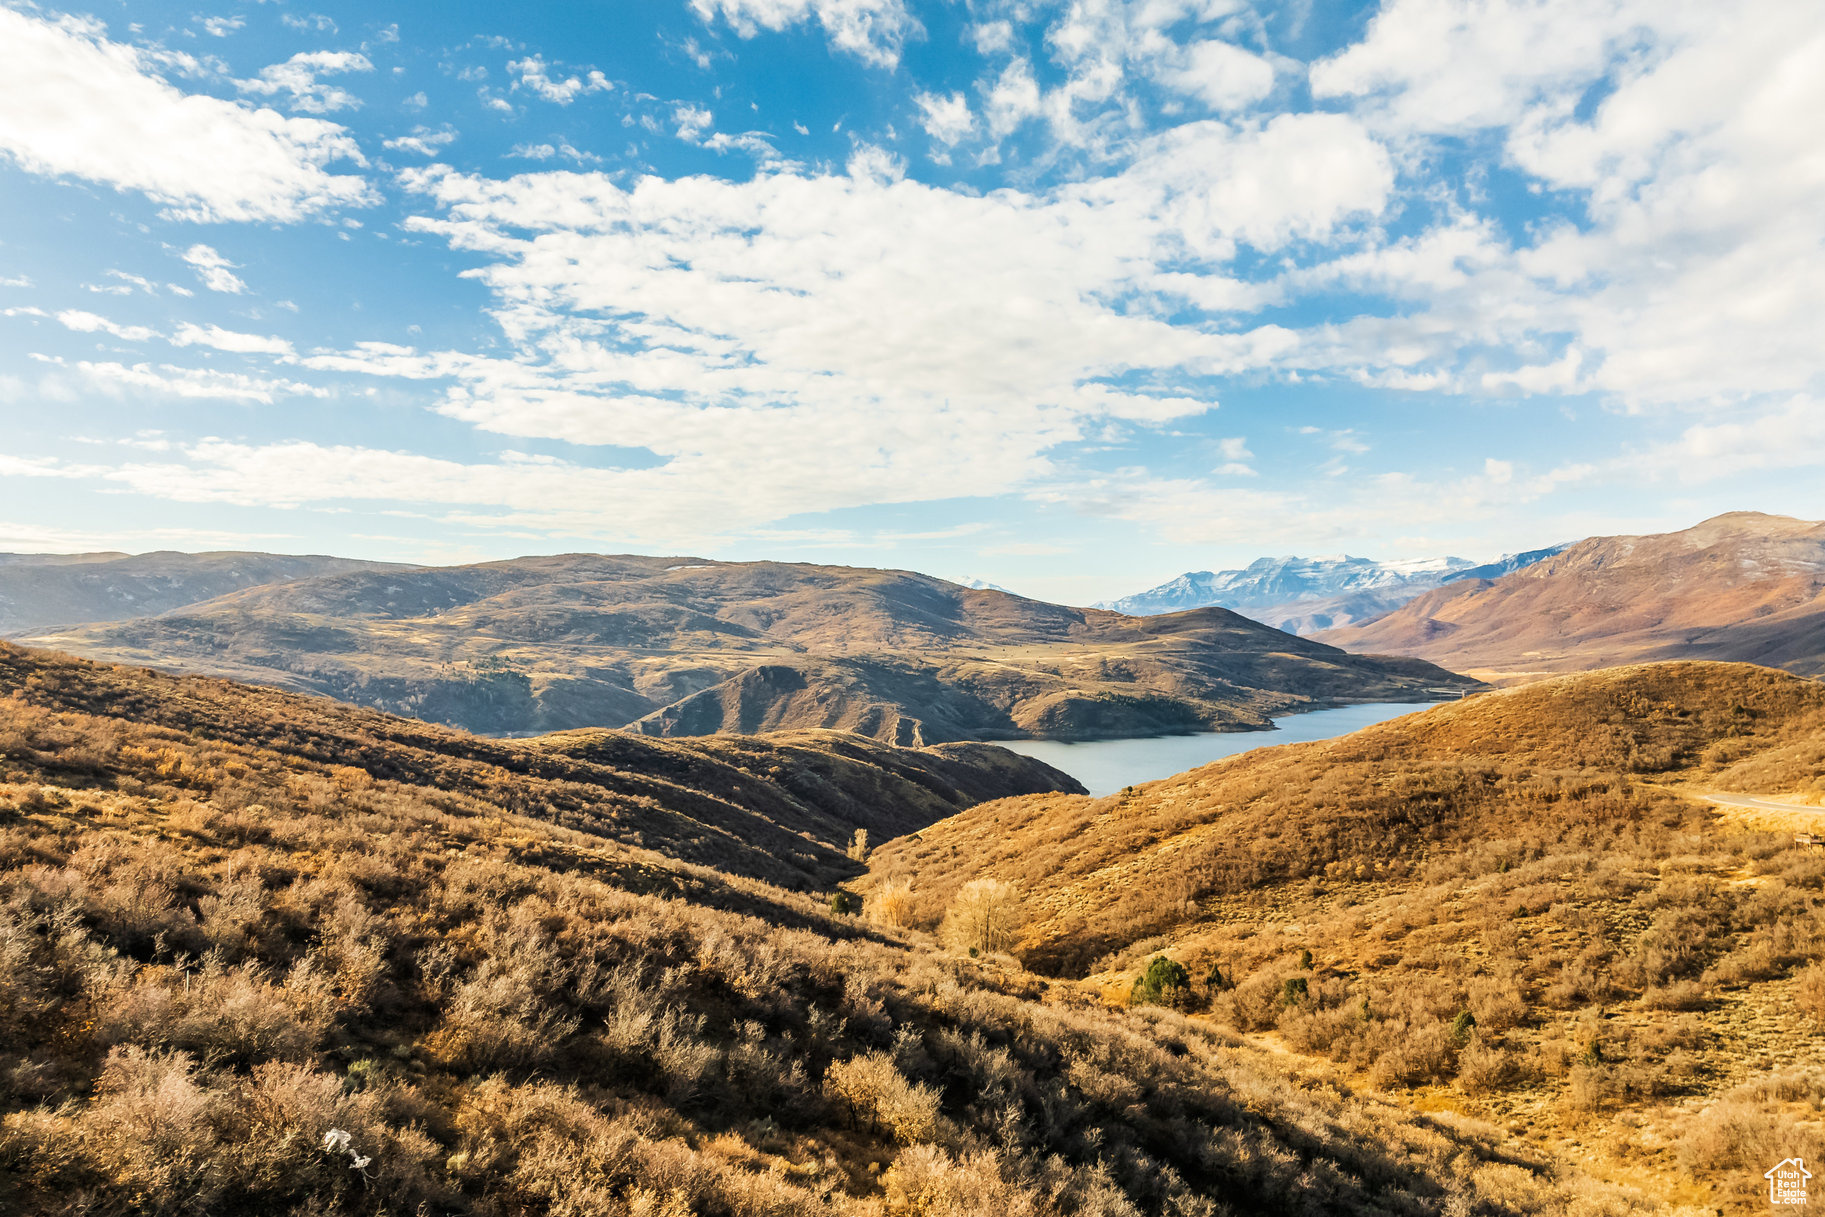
point(1105, 766)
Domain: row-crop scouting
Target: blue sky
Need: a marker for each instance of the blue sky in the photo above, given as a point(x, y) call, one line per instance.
point(1070, 296)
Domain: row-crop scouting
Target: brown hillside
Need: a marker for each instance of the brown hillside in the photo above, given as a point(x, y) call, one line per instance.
point(680, 646)
point(782, 809)
point(1741, 587)
point(40, 590)
point(1635, 964)
point(265, 962)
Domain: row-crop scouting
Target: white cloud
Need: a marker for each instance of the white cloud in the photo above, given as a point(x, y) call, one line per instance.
point(692, 121)
point(215, 336)
point(221, 27)
point(1698, 274)
point(872, 163)
point(1790, 435)
point(534, 76)
point(1461, 65)
point(72, 102)
point(423, 140)
point(216, 272)
point(1012, 99)
point(805, 342)
point(874, 31)
point(91, 323)
point(1224, 75)
point(297, 79)
point(169, 381)
point(990, 37)
point(316, 22)
point(126, 285)
point(1297, 177)
point(946, 119)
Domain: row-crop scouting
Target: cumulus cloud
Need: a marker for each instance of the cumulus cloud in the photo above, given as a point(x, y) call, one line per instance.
point(692, 121)
point(802, 342)
point(1699, 272)
point(1223, 75)
point(170, 381)
point(423, 140)
point(216, 272)
point(946, 119)
point(91, 323)
point(220, 339)
point(297, 80)
point(72, 102)
point(1012, 99)
point(533, 75)
point(874, 31)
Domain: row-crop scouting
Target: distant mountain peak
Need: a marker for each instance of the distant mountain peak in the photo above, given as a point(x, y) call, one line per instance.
point(1304, 595)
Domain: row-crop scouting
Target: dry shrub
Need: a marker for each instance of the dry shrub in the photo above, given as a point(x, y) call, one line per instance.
point(891, 904)
point(221, 1014)
point(925, 1181)
point(1809, 991)
point(1496, 1002)
point(1680, 995)
point(874, 1089)
point(984, 917)
point(1752, 1127)
point(500, 1017)
point(1410, 1054)
point(1483, 1067)
point(1255, 1004)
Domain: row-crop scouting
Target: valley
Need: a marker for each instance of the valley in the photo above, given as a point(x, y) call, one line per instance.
point(265, 954)
point(1523, 907)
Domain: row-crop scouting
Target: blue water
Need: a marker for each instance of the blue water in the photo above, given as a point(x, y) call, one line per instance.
point(1105, 766)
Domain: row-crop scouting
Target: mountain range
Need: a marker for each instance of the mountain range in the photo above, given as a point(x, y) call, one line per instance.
point(1305, 595)
point(1741, 586)
point(677, 646)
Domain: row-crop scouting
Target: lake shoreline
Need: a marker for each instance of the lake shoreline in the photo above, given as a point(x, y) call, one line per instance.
point(1105, 766)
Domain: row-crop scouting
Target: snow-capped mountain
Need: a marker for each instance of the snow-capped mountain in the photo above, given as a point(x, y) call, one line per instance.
point(1508, 564)
point(982, 585)
point(1305, 595)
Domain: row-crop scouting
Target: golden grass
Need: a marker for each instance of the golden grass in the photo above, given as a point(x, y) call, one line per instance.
point(1510, 905)
point(261, 957)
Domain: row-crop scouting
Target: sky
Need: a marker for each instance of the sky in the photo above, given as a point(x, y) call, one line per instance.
point(1067, 295)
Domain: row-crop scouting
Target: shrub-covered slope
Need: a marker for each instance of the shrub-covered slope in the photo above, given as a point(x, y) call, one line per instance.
point(1513, 906)
point(784, 808)
point(254, 966)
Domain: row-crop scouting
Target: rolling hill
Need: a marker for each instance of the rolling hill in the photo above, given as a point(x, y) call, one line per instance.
point(39, 590)
point(784, 808)
point(1744, 587)
point(681, 646)
point(265, 956)
point(1521, 907)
